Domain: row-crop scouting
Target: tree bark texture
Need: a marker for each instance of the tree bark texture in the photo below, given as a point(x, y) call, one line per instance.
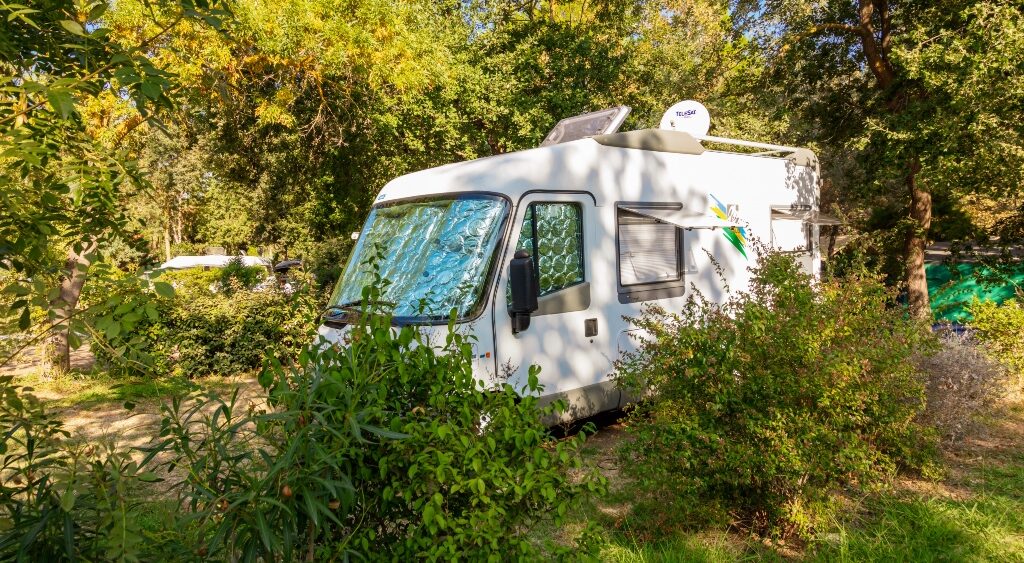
point(921, 215)
point(57, 349)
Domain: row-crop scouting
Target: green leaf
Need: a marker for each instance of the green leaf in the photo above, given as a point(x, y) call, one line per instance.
point(17, 290)
point(67, 500)
point(163, 289)
point(61, 101)
point(261, 525)
point(151, 90)
point(98, 9)
point(113, 330)
point(128, 405)
point(26, 319)
point(21, 13)
point(73, 27)
point(383, 433)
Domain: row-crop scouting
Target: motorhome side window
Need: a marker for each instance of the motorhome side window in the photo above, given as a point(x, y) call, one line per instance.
point(648, 250)
point(553, 235)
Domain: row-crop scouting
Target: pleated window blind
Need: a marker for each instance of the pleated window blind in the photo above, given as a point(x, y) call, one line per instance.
point(648, 251)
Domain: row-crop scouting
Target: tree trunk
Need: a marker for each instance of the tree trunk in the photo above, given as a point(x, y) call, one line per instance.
point(921, 217)
point(167, 243)
point(57, 349)
point(832, 241)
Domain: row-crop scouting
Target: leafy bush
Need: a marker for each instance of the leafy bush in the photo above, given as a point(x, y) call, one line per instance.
point(963, 382)
point(1001, 329)
point(193, 281)
point(759, 407)
point(374, 450)
point(236, 275)
point(115, 309)
point(60, 500)
point(195, 328)
point(203, 333)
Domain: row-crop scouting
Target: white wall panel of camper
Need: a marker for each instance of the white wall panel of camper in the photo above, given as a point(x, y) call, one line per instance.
point(543, 253)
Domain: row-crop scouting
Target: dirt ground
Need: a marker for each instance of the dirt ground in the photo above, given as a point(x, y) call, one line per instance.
point(109, 422)
point(30, 361)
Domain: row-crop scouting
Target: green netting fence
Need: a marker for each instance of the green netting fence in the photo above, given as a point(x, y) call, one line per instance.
point(951, 289)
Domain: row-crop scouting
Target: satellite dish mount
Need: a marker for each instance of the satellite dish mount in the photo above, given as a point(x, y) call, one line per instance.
point(688, 116)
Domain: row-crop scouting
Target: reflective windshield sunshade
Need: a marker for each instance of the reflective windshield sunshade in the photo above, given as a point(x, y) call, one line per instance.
point(434, 254)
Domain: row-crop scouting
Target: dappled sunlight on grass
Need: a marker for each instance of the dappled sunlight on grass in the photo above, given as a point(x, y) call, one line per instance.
point(982, 520)
point(975, 513)
point(703, 547)
point(76, 390)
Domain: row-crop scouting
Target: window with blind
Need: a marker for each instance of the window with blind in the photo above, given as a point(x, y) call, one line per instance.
point(649, 257)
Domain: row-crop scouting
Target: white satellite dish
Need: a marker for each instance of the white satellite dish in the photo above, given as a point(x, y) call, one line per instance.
point(689, 116)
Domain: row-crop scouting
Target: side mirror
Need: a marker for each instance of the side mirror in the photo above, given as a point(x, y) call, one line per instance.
point(524, 290)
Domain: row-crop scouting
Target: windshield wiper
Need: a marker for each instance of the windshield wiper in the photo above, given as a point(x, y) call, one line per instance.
point(337, 310)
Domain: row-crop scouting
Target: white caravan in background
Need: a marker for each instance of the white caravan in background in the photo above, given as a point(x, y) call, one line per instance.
point(545, 253)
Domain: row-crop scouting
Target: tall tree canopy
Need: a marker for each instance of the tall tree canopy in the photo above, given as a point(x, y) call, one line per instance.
point(307, 114)
point(914, 102)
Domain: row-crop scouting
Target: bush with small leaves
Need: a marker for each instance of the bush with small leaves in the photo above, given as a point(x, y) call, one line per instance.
point(759, 407)
point(1001, 329)
point(189, 327)
point(236, 275)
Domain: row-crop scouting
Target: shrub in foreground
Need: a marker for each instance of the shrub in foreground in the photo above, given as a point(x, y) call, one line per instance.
point(758, 408)
point(384, 449)
point(64, 501)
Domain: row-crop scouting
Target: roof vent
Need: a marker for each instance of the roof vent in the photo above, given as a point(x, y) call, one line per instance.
point(688, 116)
point(587, 125)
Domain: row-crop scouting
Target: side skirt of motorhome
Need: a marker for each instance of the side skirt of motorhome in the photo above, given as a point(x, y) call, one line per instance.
point(583, 402)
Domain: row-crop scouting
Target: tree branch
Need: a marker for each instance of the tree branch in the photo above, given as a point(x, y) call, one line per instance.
point(881, 68)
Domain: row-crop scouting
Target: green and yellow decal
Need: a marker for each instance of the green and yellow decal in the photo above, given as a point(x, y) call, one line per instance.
point(736, 235)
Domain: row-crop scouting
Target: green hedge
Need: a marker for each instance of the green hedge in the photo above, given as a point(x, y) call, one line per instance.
point(214, 325)
point(224, 334)
point(386, 450)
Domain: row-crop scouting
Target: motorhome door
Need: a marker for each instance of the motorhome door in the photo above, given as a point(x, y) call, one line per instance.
point(568, 334)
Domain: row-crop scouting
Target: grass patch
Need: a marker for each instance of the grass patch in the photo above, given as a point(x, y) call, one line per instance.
point(983, 523)
point(90, 389)
point(931, 529)
point(704, 546)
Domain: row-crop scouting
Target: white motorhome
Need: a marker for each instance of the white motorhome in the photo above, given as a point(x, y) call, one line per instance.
point(546, 253)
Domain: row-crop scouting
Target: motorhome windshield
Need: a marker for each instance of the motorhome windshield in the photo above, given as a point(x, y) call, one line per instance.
point(435, 254)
